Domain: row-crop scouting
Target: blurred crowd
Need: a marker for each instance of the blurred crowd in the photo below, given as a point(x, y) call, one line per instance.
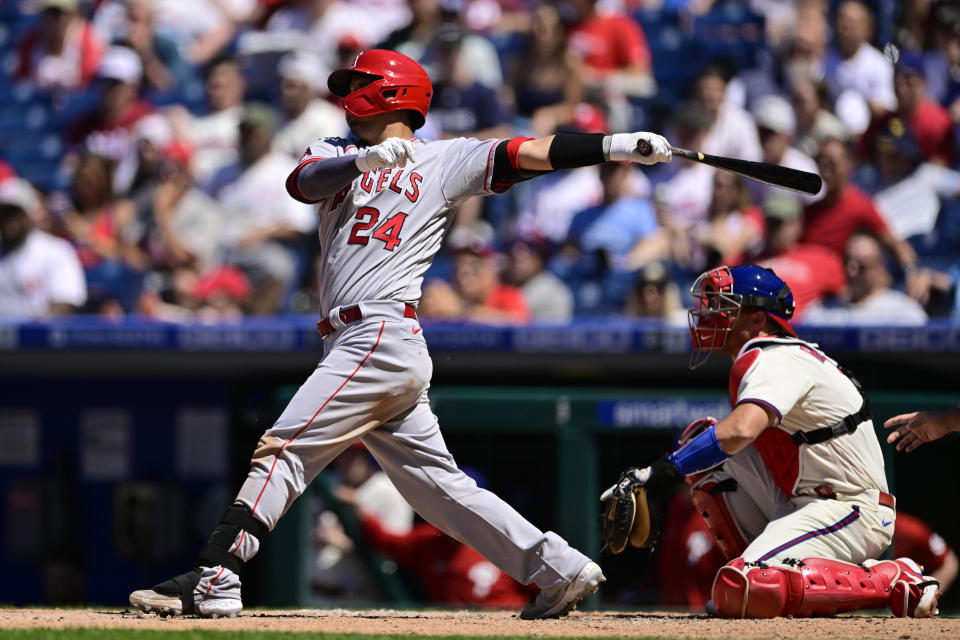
point(144, 147)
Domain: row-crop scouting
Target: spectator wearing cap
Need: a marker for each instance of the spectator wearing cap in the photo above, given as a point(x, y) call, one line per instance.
point(40, 275)
point(777, 128)
point(812, 271)
point(475, 292)
point(306, 115)
point(213, 135)
point(815, 123)
point(259, 217)
point(546, 295)
point(869, 298)
point(461, 106)
point(912, 190)
point(854, 65)
point(108, 129)
point(62, 51)
point(732, 132)
point(845, 209)
point(928, 121)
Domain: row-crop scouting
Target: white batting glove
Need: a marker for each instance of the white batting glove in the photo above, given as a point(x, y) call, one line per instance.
point(392, 152)
point(623, 147)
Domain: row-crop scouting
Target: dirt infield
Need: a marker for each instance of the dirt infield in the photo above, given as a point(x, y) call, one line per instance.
point(420, 623)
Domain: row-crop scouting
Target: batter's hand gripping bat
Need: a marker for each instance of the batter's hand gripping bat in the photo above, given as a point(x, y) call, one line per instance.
point(784, 177)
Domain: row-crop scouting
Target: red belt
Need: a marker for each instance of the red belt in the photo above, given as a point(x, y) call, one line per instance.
point(886, 500)
point(352, 314)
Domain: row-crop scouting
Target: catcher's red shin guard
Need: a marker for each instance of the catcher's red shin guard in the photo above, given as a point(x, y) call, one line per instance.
point(712, 506)
point(812, 587)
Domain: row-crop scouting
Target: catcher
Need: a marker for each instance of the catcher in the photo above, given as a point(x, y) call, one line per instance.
point(790, 484)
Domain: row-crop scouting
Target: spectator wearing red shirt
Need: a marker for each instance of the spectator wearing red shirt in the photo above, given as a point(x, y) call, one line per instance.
point(845, 209)
point(608, 41)
point(813, 272)
point(616, 57)
point(913, 538)
point(62, 51)
point(451, 572)
point(929, 121)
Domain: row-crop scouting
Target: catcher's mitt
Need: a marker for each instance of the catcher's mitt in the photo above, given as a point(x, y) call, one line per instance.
point(633, 509)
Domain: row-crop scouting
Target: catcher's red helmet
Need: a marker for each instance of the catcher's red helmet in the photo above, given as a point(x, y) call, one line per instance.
point(402, 84)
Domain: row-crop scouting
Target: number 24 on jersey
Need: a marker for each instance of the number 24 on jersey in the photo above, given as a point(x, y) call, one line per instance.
point(388, 232)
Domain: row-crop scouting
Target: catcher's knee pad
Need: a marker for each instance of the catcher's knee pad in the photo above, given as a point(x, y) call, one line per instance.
point(712, 507)
point(223, 542)
point(811, 587)
point(750, 590)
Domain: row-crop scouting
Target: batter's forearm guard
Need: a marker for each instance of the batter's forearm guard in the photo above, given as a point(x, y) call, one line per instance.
point(572, 150)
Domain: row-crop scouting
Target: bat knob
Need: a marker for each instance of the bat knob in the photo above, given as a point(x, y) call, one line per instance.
point(644, 148)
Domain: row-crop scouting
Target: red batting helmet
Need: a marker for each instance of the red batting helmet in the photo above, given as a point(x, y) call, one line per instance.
point(401, 84)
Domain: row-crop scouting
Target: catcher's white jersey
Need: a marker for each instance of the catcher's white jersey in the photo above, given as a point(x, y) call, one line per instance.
point(806, 390)
point(380, 233)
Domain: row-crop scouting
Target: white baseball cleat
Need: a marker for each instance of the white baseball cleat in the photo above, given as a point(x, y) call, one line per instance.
point(560, 600)
point(167, 599)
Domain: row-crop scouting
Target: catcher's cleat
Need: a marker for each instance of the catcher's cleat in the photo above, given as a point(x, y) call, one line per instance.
point(558, 601)
point(914, 594)
point(192, 593)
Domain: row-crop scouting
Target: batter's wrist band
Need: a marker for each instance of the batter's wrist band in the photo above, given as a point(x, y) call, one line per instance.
point(617, 148)
point(701, 453)
point(573, 150)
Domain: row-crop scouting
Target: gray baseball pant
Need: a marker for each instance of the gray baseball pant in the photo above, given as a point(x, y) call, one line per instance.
point(372, 385)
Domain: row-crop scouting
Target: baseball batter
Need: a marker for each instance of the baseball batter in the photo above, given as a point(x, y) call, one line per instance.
point(791, 484)
point(384, 201)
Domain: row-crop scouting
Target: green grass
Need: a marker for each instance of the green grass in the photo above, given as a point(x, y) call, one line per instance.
point(204, 634)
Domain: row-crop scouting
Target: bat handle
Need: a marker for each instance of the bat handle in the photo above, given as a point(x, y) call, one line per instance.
point(644, 148)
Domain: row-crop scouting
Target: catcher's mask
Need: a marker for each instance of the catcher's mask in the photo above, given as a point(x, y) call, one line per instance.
point(720, 294)
point(400, 84)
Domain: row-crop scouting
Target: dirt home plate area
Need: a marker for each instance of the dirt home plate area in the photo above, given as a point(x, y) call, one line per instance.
point(499, 623)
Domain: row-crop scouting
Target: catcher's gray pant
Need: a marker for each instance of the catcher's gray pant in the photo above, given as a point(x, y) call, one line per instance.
point(777, 527)
point(372, 385)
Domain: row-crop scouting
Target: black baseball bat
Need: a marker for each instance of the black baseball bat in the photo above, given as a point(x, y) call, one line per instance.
point(774, 174)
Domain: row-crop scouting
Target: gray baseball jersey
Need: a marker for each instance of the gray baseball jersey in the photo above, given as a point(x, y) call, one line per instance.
point(379, 234)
